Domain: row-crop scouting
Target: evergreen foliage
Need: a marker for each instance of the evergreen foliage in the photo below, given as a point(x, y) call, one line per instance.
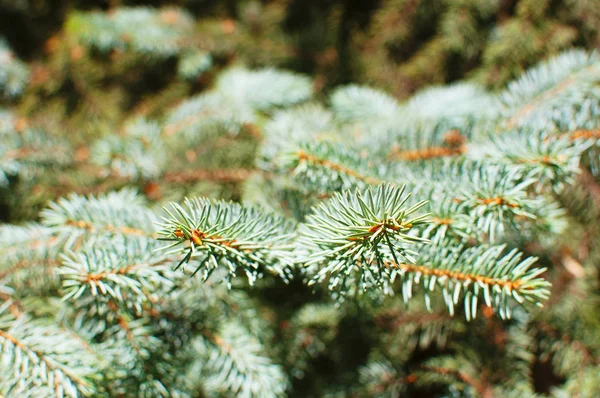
point(446, 245)
point(13, 73)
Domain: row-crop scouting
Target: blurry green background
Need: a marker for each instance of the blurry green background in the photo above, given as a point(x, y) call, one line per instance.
point(76, 91)
point(400, 45)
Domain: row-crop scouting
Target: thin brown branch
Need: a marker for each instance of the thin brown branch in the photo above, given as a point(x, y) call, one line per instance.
point(95, 278)
point(306, 157)
point(459, 276)
point(218, 175)
point(497, 201)
point(80, 224)
point(427, 153)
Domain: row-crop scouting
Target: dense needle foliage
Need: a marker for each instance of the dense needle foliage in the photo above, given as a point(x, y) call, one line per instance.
point(188, 214)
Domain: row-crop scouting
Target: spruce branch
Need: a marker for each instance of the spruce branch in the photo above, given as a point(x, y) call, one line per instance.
point(550, 158)
point(289, 128)
point(24, 151)
point(29, 258)
point(193, 64)
point(114, 213)
point(236, 364)
point(418, 329)
point(137, 153)
point(412, 155)
point(33, 351)
point(226, 235)
point(122, 269)
point(358, 232)
point(156, 34)
point(475, 199)
point(501, 278)
point(562, 91)
point(457, 106)
point(492, 196)
point(436, 139)
point(32, 236)
point(264, 89)
point(206, 116)
point(363, 104)
point(14, 74)
point(219, 175)
point(446, 218)
point(327, 167)
point(379, 378)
